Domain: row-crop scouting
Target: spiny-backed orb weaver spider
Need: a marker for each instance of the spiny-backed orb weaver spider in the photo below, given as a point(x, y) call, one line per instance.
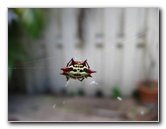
point(77, 70)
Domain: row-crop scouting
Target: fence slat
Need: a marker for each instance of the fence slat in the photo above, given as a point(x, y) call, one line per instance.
point(129, 51)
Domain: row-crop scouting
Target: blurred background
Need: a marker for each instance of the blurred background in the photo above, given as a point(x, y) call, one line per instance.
point(121, 44)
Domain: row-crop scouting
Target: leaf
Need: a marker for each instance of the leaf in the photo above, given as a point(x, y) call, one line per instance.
point(32, 20)
point(29, 20)
point(116, 91)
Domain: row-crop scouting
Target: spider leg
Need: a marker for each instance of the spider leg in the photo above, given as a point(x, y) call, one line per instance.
point(81, 79)
point(67, 78)
point(87, 65)
point(69, 62)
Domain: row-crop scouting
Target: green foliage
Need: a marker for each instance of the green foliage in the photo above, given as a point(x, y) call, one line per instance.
point(149, 84)
point(72, 93)
point(30, 21)
point(80, 92)
point(116, 92)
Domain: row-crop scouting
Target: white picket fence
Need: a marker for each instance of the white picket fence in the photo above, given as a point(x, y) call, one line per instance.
point(121, 44)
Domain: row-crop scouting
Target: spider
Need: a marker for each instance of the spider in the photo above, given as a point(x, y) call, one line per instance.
point(77, 70)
